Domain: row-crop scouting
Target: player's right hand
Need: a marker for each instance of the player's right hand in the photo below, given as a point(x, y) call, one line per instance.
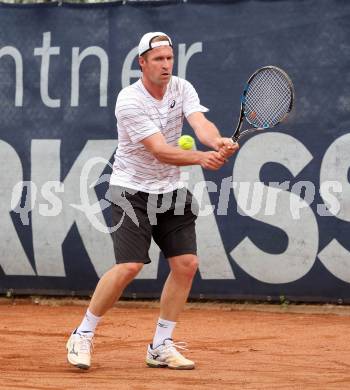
point(212, 160)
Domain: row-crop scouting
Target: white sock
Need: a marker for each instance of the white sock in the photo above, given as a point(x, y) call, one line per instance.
point(164, 331)
point(89, 323)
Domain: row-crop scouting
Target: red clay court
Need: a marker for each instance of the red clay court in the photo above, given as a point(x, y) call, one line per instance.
point(234, 347)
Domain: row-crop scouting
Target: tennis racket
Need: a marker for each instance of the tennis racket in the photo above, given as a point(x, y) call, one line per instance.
point(267, 99)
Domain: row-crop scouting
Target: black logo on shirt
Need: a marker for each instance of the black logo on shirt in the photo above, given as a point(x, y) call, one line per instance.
point(172, 105)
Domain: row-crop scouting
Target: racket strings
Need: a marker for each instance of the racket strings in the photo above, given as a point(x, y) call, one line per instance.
point(268, 98)
point(267, 104)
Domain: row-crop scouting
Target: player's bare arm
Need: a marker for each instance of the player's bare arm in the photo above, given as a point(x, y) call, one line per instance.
point(156, 144)
point(209, 135)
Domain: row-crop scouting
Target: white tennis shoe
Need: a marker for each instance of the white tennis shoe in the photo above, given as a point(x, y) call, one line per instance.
point(79, 348)
point(166, 355)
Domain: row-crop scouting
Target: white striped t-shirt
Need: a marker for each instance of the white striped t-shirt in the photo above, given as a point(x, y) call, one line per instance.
point(139, 115)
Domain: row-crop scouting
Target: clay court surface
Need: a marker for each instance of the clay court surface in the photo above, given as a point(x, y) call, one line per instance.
point(234, 347)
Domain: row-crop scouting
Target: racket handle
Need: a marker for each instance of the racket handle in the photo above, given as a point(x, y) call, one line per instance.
point(235, 138)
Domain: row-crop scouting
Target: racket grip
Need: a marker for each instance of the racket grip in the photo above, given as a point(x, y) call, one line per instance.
point(235, 138)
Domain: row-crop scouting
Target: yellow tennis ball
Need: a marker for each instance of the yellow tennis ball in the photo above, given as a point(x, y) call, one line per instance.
point(186, 142)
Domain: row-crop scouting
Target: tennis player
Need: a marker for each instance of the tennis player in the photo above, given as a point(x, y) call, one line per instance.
point(148, 199)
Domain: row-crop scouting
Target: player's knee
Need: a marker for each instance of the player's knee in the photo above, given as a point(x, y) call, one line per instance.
point(130, 270)
point(189, 266)
point(193, 266)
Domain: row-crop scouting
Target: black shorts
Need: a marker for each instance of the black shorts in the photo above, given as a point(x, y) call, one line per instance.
point(138, 216)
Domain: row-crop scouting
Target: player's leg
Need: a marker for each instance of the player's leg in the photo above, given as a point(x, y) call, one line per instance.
point(108, 290)
point(163, 351)
point(177, 286)
point(177, 238)
point(111, 286)
point(131, 244)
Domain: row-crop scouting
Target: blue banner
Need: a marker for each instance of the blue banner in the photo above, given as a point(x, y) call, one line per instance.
point(273, 223)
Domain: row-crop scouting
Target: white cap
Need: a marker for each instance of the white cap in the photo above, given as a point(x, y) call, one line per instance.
point(146, 43)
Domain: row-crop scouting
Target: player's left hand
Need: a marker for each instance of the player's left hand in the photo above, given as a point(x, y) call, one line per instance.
point(226, 147)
